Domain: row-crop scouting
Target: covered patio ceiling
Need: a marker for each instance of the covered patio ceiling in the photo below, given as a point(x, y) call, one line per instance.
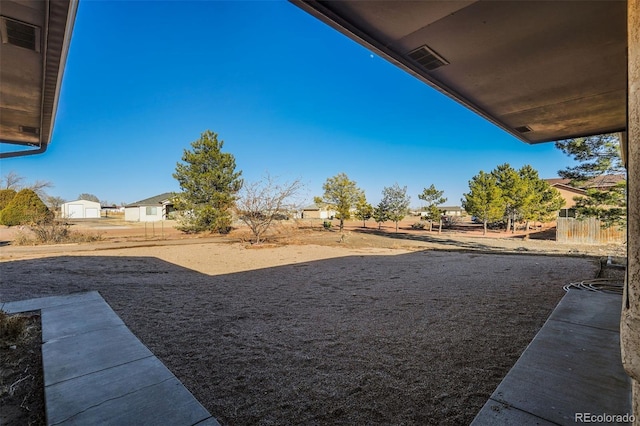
point(35, 37)
point(541, 70)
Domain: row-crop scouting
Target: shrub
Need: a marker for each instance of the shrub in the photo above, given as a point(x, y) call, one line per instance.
point(54, 232)
point(6, 195)
point(11, 326)
point(418, 225)
point(25, 208)
point(326, 224)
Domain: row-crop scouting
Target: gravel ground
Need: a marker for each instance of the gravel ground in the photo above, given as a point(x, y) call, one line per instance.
point(307, 334)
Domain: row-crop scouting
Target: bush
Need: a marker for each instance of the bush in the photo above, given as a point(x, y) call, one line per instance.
point(11, 326)
point(54, 232)
point(6, 195)
point(418, 225)
point(25, 208)
point(326, 224)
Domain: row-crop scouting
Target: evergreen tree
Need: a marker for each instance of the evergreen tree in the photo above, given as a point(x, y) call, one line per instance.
point(599, 156)
point(364, 210)
point(26, 208)
point(433, 198)
point(209, 183)
point(6, 195)
point(381, 213)
point(541, 201)
point(514, 192)
point(484, 199)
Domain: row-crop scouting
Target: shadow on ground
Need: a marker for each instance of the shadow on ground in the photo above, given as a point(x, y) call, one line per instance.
point(420, 338)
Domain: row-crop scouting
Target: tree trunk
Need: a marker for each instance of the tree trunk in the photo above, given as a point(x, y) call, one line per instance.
point(341, 224)
point(485, 227)
point(396, 226)
point(364, 223)
point(440, 227)
point(508, 223)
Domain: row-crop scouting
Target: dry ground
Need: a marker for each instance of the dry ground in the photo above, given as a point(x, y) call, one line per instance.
point(375, 329)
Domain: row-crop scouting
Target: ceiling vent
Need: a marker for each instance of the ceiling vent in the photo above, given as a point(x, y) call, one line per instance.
point(426, 57)
point(523, 129)
point(30, 130)
point(20, 34)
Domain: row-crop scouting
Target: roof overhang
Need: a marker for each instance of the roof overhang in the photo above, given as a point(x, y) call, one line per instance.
point(541, 70)
point(34, 41)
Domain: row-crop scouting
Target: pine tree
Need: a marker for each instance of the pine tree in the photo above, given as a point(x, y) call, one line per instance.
point(484, 199)
point(209, 183)
point(599, 156)
point(433, 197)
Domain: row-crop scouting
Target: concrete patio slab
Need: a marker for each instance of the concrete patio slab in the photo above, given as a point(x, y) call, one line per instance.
point(46, 302)
point(91, 315)
point(81, 354)
point(97, 371)
point(572, 366)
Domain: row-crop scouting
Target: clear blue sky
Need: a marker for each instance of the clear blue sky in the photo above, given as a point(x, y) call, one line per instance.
point(287, 94)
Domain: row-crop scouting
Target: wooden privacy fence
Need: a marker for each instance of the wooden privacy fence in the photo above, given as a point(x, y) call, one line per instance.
point(588, 231)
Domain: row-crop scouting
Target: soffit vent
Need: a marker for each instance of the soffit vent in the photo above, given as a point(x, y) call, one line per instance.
point(30, 130)
point(426, 57)
point(20, 34)
point(523, 129)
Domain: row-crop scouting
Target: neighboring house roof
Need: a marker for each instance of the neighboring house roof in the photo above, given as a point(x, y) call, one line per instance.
point(315, 207)
point(81, 200)
point(153, 201)
point(606, 181)
point(570, 188)
point(600, 182)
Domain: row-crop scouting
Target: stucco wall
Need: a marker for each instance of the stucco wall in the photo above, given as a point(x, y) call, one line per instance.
point(630, 321)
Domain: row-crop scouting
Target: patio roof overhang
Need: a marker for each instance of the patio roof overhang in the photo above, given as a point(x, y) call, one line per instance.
point(34, 41)
point(541, 70)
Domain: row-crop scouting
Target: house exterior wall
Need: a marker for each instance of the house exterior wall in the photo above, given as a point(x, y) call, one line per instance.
point(315, 214)
point(144, 213)
point(318, 214)
point(568, 197)
point(630, 319)
point(80, 209)
point(132, 214)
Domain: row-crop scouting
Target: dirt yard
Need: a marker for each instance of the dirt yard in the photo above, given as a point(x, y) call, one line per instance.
point(415, 328)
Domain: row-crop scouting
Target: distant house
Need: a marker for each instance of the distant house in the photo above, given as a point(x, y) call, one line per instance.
point(80, 209)
point(568, 192)
point(452, 211)
point(445, 210)
point(315, 211)
point(150, 209)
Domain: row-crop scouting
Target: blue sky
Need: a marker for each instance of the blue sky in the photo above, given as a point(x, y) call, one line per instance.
point(288, 95)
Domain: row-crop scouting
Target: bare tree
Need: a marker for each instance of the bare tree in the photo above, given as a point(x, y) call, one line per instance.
point(14, 181)
point(262, 202)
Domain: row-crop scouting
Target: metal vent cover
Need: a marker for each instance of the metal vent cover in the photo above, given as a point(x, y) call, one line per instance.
point(20, 34)
point(427, 58)
point(30, 130)
point(523, 129)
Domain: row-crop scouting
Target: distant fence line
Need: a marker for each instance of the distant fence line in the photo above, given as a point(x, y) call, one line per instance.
point(587, 231)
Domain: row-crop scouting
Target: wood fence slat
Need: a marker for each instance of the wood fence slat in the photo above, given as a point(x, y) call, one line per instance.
point(587, 231)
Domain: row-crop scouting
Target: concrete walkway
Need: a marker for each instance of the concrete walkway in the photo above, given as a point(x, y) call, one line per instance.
point(96, 371)
point(571, 371)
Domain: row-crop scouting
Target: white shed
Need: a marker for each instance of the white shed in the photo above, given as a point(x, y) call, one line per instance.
point(80, 209)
